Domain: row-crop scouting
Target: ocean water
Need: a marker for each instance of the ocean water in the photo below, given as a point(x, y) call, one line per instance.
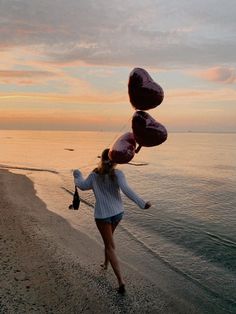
point(191, 182)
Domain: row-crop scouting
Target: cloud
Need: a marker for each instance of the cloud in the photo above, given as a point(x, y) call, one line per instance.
point(154, 33)
point(24, 77)
point(28, 74)
point(218, 74)
point(81, 97)
point(199, 96)
point(173, 97)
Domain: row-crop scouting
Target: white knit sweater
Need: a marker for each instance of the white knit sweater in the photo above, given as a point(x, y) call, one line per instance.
point(107, 192)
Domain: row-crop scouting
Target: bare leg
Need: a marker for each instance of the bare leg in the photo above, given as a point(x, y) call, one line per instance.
point(107, 236)
point(106, 260)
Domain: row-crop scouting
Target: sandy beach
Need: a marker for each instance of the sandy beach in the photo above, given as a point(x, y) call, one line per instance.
point(48, 267)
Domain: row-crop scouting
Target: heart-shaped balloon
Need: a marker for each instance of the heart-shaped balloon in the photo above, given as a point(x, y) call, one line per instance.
point(144, 93)
point(123, 149)
point(147, 131)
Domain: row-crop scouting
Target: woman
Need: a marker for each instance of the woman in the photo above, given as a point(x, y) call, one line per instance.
point(106, 183)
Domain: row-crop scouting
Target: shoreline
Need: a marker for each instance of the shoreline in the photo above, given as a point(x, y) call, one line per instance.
point(48, 266)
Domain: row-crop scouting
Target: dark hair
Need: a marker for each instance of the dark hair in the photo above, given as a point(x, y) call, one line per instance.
point(106, 166)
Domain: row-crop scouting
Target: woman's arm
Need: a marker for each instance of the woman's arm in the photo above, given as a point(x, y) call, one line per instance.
point(129, 192)
point(83, 184)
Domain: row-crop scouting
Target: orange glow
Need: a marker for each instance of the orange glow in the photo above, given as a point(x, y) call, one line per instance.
point(83, 98)
point(59, 118)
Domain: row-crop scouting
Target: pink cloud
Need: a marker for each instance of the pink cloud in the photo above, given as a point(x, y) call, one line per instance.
point(219, 74)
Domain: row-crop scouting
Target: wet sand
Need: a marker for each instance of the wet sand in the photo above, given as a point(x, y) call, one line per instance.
point(46, 266)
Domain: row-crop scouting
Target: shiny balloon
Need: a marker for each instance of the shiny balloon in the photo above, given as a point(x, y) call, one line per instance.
point(147, 131)
point(144, 93)
point(123, 149)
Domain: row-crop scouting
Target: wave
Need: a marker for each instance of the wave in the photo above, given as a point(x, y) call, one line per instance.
point(177, 270)
point(170, 265)
point(191, 227)
point(28, 168)
point(222, 240)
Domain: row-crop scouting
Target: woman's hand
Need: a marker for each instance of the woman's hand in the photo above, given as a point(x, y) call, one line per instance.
point(147, 205)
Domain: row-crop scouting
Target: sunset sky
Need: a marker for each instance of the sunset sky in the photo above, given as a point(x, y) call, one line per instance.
point(65, 63)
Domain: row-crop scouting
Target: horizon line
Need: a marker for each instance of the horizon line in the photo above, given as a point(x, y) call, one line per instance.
point(114, 131)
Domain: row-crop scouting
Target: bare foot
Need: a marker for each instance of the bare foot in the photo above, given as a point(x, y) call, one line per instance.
point(104, 266)
point(121, 290)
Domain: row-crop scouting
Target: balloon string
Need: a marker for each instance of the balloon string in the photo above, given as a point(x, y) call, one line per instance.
point(113, 140)
point(138, 149)
point(119, 131)
point(115, 137)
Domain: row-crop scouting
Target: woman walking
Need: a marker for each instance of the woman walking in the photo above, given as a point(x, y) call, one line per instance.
point(106, 183)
